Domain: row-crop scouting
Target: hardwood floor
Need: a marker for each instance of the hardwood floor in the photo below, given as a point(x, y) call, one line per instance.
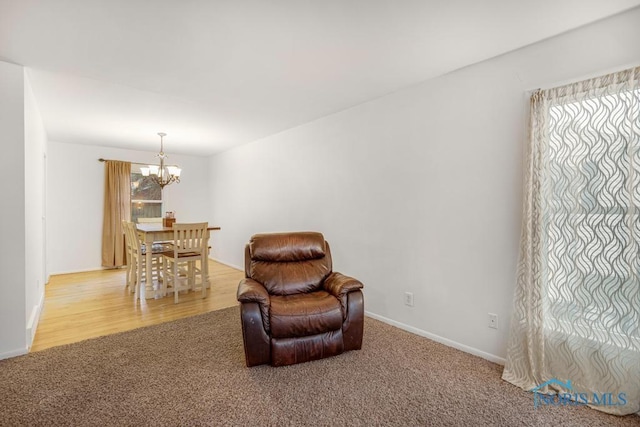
point(87, 305)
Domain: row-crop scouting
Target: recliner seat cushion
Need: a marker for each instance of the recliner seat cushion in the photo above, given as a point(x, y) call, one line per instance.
point(304, 314)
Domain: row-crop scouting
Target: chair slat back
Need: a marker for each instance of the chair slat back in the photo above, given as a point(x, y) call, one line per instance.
point(127, 239)
point(131, 234)
point(190, 237)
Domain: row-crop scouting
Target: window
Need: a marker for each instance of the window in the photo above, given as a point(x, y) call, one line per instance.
point(577, 300)
point(146, 196)
point(593, 221)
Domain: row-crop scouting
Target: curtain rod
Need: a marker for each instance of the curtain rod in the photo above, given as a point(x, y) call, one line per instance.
point(133, 163)
point(111, 160)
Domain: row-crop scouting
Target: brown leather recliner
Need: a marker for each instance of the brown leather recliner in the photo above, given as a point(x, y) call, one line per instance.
point(293, 307)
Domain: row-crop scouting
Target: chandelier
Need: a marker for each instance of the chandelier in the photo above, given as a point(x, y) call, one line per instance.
point(162, 175)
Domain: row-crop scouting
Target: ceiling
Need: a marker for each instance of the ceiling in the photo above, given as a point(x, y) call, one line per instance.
point(214, 74)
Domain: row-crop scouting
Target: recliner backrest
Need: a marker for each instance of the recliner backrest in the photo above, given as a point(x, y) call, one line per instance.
point(288, 263)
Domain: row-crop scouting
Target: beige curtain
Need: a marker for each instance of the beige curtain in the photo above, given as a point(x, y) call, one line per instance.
point(117, 207)
point(575, 330)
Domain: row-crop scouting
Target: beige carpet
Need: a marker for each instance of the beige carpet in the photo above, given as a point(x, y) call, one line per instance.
point(191, 372)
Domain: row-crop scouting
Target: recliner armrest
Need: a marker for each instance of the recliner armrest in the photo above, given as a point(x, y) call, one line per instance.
point(337, 284)
point(250, 290)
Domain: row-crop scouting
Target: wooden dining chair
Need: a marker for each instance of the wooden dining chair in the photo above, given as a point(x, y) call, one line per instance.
point(139, 281)
point(180, 263)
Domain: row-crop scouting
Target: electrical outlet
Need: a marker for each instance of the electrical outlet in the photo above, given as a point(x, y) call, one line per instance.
point(408, 299)
point(493, 320)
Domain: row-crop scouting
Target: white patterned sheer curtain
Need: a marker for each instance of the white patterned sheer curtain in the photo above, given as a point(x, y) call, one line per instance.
point(577, 299)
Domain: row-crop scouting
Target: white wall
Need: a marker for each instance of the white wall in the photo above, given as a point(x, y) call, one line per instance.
point(21, 226)
point(13, 339)
point(418, 191)
point(35, 143)
point(76, 199)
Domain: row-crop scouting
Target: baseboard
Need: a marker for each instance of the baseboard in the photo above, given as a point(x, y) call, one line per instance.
point(34, 319)
point(488, 356)
point(227, 264)
point(57, 273)
point(13, 353)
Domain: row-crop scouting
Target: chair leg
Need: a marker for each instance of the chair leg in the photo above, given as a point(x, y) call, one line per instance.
point(191, 275)
point(204, 272)
point(175, 282)
point(130, 279)
point(134, 276)
point(156, 279)
point(138, 280)
point(128, 276)
point(164, 277)
point(135, 266)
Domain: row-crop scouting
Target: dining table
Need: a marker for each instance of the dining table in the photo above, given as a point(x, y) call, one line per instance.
point(151, 233)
